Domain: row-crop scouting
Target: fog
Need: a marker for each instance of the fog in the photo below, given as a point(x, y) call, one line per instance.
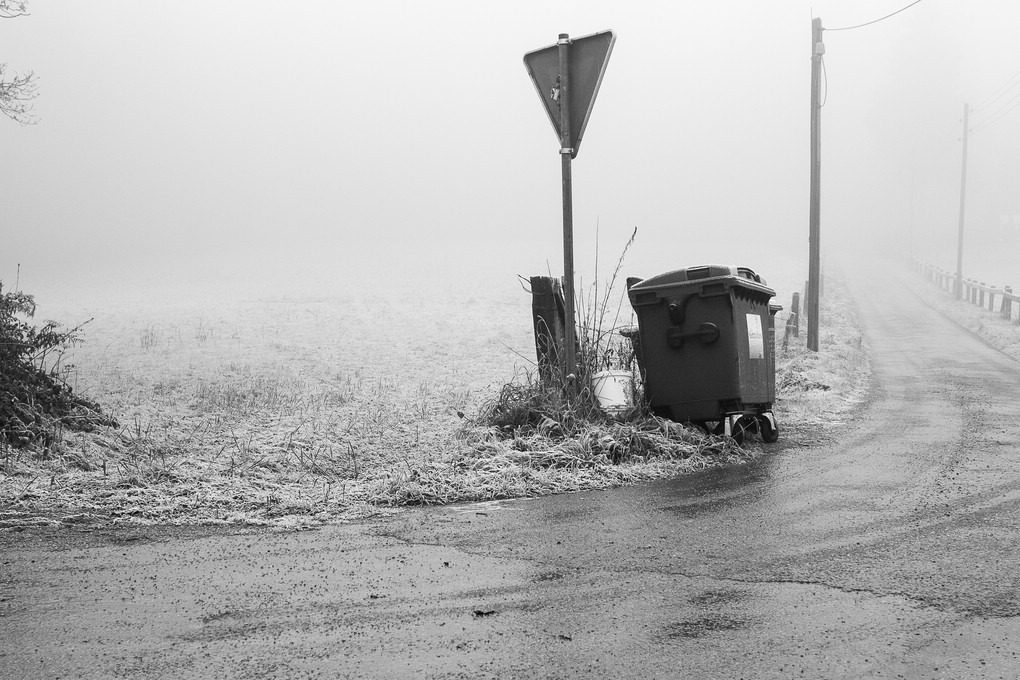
point(326, 146)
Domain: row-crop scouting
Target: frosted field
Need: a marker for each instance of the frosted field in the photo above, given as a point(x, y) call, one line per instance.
point(255, 403)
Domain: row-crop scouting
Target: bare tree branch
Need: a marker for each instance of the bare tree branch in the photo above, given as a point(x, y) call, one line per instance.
point(13, 8)
point(16, 95)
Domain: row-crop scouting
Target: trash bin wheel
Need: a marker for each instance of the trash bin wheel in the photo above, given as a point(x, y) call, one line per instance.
point(745, 425)
point(769, 429)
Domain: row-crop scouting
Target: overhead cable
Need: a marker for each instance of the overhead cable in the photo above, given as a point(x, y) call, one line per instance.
point(996, 119)
point(847, 28)
point(998, 94)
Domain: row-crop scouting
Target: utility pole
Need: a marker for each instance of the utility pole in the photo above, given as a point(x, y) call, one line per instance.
point(963, 198)
point(814, 249)
point(910, 222)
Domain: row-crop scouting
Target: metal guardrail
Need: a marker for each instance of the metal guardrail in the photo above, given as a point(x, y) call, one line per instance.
point(976, 292)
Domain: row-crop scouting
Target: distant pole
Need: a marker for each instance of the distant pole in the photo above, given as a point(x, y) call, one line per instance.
point(963, 198)
point(814, 249)
point(570, 366)
point(910, 223)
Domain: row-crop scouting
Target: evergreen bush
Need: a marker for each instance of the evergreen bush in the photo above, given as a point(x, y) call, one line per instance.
point(36, 402)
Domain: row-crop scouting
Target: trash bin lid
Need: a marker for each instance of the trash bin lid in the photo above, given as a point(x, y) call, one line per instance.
point(706, 271)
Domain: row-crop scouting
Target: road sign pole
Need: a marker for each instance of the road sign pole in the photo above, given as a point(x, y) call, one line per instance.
point(567, 76)
point(570, 366)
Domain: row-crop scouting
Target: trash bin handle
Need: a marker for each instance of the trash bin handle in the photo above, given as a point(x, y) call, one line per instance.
point(707, 333)
point(677, 308)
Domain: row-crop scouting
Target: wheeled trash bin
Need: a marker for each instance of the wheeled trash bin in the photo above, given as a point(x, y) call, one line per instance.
point(706, 348)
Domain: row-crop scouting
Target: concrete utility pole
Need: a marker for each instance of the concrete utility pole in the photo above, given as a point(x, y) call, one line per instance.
point(963, 198)
point(814, 249)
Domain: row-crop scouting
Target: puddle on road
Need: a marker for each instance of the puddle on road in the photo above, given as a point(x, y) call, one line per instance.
point(481, 507)
point(548, 576)
point(699, 506)
point(702, 626)
point(717, 597)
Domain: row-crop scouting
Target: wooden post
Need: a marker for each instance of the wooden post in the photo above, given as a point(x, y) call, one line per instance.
point(795, 314)
point(1007, 303)
point(547, 309)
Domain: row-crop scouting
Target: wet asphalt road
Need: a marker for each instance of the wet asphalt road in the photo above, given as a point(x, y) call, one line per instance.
point(889, 551)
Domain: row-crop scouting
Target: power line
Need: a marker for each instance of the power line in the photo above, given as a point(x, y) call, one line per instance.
point(999, 117)
point(825, 80)
point(847, 28)
point(1004, 105)
point(995, 96)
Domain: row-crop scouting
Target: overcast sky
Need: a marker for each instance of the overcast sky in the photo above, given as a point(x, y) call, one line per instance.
point(314, 143)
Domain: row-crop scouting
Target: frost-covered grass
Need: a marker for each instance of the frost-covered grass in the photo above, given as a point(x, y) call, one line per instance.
point(1003, 334)
point(819, 391)
point(302, 411)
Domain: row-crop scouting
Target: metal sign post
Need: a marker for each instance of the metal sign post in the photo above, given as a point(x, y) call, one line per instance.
point(567, 76)
point(566, 154)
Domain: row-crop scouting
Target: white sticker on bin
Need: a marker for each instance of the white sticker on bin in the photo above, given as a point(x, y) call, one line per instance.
point(755, 337)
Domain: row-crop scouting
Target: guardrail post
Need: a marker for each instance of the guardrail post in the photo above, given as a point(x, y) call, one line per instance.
point(973, 291)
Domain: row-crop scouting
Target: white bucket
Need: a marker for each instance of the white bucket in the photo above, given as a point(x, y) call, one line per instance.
point(613, 389)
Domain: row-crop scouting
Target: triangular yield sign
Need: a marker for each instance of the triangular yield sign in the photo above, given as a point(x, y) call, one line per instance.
point(588, 57)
